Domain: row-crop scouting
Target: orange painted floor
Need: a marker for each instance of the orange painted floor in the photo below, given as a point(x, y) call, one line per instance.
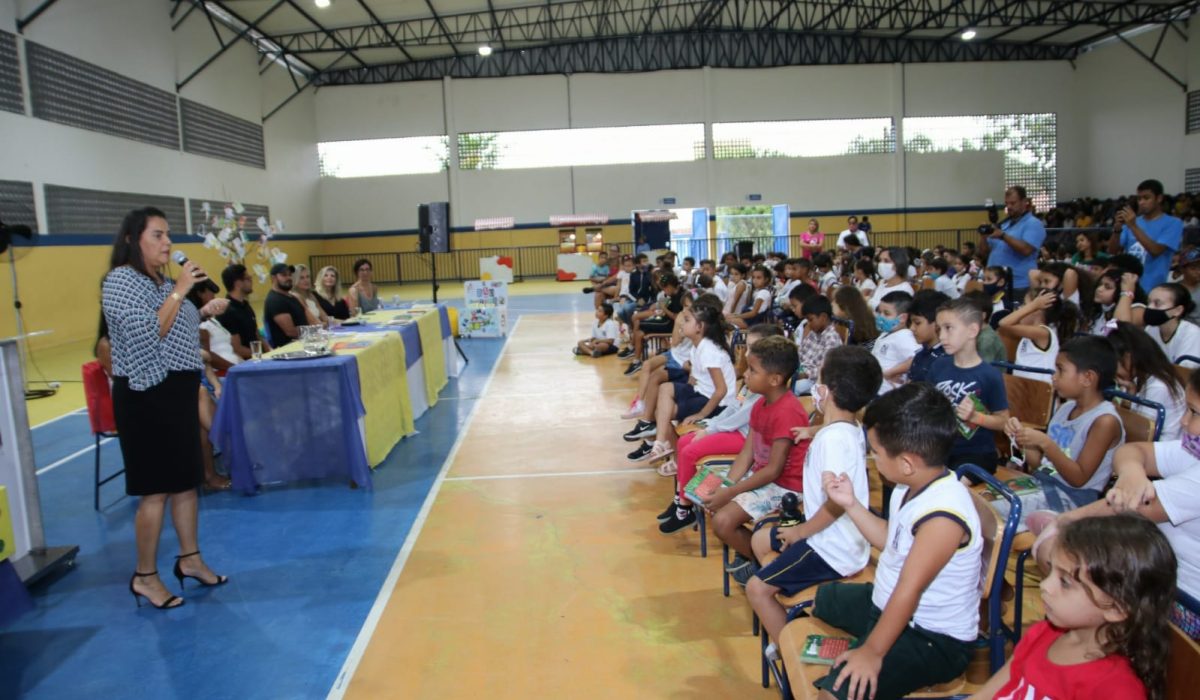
point(531, 580)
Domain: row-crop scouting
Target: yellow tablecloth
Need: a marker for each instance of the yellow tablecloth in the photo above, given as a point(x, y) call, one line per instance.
point(383, 383)
point(433, 358)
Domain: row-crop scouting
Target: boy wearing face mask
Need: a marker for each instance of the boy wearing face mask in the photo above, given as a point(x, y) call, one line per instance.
point(895, 348)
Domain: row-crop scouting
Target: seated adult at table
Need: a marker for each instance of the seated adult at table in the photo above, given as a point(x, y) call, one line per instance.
point(239, 318)
point(214, 338)
point(364, 296)
point(302, 289)
point(329, 294)
point(284, 312)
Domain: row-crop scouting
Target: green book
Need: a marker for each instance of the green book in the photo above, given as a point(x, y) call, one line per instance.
point(823, 649)
point(706, 482)
point(968, 430)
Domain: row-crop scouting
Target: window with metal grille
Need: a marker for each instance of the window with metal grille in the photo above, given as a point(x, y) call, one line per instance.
point(411, 155)
point(1028, 142)
point(69, 91)
point(11, 97)
point(558, 148)
point(1193, 111)
point(16, 204)
point(216, 207)
point(76, 210)
point(1191, 180)
point(803, 139)
point(211, 132)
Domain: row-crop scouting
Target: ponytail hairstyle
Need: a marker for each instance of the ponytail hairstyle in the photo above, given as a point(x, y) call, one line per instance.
point(1127, 558)
point(712, 321)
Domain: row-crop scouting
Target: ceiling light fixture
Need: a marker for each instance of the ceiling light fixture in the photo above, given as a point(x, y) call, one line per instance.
point(485, 50)
point(322, 3)
point(969, 34)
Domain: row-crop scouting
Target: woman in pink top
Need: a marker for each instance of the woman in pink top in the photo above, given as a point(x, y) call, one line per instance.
point(812, 240)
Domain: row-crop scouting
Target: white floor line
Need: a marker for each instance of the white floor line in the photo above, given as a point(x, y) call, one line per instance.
point(535, 395)
point(65, 415)
point(72, 456)
point(606, 472)
point(342, 682)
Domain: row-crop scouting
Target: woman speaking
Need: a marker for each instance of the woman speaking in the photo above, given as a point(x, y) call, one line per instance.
point(156, 363)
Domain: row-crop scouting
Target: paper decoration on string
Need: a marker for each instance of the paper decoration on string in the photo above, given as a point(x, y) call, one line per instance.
point(226, 233)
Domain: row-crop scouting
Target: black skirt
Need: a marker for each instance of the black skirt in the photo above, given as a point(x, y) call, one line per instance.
point(159, 431)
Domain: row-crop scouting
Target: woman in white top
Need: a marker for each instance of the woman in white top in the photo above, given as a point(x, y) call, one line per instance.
point(1168, 305)
point(303, 290)
point(893, 264)
point(1144, 371)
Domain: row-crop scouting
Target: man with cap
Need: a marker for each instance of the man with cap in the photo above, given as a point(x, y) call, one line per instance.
point(1189, 277)
point(284, 312)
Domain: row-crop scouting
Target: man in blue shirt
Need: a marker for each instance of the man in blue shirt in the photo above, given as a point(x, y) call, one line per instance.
point(1015, 243)
point(1153, 237)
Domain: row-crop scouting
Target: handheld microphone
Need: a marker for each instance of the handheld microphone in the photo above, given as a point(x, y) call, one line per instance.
point(206, 283)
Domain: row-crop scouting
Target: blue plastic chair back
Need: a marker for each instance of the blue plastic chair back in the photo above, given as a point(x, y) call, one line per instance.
point(1160, 412)
point(1010, 367)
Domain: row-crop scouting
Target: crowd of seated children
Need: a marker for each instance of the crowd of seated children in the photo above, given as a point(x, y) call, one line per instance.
point(819, 337)
point(827, 545)
point(760, 300)
point(1144, 370)
point(975, 388)
point(604, 337)
point(895, 346)
point(724, 434)
point(769, 464)
point(1072, 459)
point(658, 318)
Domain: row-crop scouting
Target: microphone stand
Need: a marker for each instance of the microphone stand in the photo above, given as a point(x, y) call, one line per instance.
point(21, 342)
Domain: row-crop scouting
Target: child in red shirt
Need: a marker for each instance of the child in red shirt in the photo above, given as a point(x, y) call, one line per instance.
point(1105, 633)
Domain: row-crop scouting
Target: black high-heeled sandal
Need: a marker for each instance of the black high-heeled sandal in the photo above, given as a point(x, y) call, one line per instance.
point(137, 597)
point(221, 580)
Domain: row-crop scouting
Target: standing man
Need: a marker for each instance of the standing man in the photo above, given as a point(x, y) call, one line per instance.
point(1152, 236)
point(852, 229)
point(284, 312)
point(239, 318)
point(1016, 242)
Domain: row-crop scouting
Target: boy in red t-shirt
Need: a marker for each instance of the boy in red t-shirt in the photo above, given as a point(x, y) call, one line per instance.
point(770, 464)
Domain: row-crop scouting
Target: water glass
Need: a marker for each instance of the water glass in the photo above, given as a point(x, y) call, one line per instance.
point(395, 301)
point(256, 349)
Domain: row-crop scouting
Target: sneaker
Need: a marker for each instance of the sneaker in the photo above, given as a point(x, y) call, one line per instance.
point(681, 518)
point(626, 353)
point(738, 562)
point(633, 368)
point(589, 290)
point(744, 574)
point(576, 351)
point(636, 409)
point(640, 453)
point(661, 449)
point(643, 429)
point(670, 511)
point(597, 353)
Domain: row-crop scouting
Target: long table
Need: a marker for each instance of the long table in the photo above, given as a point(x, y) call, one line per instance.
point(334, 416)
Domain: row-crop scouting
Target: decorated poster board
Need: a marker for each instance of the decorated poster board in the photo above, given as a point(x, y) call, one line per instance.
point(486, 313)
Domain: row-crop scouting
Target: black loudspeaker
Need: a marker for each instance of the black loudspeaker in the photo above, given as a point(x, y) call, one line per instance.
point(433, 226)
point(745, 249)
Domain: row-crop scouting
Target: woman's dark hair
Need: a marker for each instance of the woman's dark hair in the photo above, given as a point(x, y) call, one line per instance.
point(900, 260)
point(1091, 353)
point(1181, 296)
point(194, 293)
point(1146, 357)
point(713, 322)
point(851, 302)
point(127, 249)
point(916, 418)
point(359, 263)
point(1128, 558)
point(1064, 317)
point(1087, 289)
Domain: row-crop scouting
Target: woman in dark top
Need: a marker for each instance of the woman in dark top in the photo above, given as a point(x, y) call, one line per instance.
point(329, 294)
point(155, 335)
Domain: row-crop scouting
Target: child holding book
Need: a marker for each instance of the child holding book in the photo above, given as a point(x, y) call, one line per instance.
point(974, 387)
point(827, 545)
point(605, 333)
point(917, 622)
point(769, 464)
point(1107, 601)
point(1073, 458)
point(896, 346)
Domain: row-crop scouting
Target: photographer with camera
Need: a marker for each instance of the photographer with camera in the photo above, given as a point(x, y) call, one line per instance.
point(1014, 242)
point(1151, 235)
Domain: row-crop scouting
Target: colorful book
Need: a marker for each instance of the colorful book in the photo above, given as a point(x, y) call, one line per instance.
point(823, 649)
point(706, 482)
point(966, 429)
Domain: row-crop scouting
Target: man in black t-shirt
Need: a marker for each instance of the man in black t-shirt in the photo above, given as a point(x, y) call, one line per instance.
point(239, 319)
point(284, 312)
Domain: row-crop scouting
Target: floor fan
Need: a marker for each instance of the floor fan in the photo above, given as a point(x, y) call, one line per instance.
point(7, 235)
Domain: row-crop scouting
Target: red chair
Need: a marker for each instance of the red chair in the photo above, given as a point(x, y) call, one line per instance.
point(100, 415)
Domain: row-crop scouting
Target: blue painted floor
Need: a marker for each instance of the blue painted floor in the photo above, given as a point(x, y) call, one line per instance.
point(306, 563)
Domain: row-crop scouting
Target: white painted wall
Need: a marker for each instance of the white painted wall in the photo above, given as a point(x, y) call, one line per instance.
point(134, 38)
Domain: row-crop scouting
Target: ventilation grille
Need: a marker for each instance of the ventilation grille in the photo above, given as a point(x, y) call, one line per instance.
point(75, 210)
point(1193, 112)
point(216, 206)
point(11, 99)
point(211, 132)
point(16, 204)
point(69, 91)
point(1191, 180)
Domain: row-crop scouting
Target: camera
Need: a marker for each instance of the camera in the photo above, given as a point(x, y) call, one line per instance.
point(985, 229)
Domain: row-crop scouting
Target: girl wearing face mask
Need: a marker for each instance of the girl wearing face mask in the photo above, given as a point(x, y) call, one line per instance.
point(995, 285)
point(1163, 318)
point(893, 268)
